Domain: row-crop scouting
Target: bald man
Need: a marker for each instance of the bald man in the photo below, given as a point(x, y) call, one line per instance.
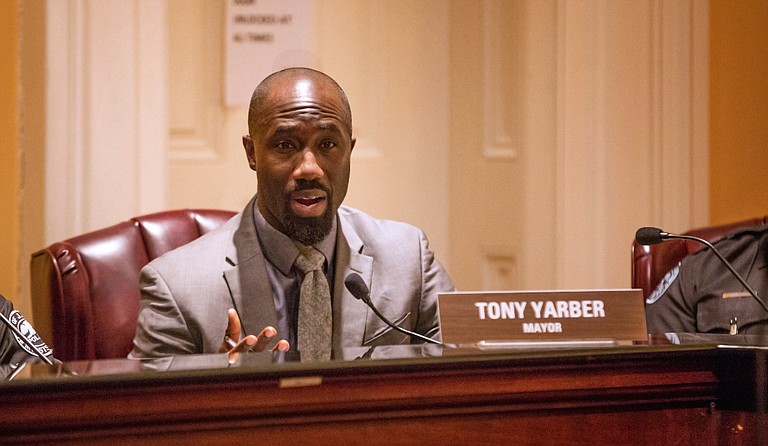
point(238, 288)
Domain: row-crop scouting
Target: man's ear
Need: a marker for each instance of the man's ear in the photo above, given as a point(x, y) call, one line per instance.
point(249, 151)
point(352, 146)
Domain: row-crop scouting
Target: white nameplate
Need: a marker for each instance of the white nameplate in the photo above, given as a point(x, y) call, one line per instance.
point(526, 318)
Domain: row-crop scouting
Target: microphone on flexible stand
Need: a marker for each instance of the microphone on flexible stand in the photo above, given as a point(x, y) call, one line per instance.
point(651, 236)
point(356, 285)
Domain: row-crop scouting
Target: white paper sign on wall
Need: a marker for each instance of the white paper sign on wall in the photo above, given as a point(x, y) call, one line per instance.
point(264, 36)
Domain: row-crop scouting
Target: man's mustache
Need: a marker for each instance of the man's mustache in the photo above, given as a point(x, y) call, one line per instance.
point(309, 184)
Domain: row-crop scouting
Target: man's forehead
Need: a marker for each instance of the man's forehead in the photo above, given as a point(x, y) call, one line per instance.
point(299, 120)
point(302, 89)
point(321, 114)
point(303, 99)
point(292, 88)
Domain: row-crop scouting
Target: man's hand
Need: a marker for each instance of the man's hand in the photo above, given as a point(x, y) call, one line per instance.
point(233, 345)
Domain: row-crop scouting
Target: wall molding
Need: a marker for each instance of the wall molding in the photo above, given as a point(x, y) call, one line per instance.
point(106, 125)
point(647, 103)
point(501, 79)
point(196, 110)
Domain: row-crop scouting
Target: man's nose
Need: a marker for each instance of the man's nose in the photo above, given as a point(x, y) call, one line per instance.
point(308, 168)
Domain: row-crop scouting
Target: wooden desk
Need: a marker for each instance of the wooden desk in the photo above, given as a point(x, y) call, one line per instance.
point(625, 395)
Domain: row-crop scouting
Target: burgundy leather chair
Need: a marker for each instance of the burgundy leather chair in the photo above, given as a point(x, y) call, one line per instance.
point(85, 290)
point(650, 263)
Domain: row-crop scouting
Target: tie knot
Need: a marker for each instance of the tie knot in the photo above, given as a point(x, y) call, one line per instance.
point(309, 259)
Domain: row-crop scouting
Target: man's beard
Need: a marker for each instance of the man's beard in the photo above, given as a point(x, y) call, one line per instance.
point(309, 230)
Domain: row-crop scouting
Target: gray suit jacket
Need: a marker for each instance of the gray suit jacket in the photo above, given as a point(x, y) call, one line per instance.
point(186, 293)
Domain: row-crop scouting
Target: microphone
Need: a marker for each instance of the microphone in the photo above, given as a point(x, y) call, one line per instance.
point(651, 236)
point(356, 285)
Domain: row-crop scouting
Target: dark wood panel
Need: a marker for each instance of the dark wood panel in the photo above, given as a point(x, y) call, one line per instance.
point(616, 396)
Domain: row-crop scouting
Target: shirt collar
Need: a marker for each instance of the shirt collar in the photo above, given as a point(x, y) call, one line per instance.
point(280, 250)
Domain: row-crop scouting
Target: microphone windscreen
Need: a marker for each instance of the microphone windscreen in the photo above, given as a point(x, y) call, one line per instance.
point(648, 236)
point(356, 285)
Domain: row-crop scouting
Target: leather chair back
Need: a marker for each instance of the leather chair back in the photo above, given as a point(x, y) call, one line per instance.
point(85, 290)
point(651, 263)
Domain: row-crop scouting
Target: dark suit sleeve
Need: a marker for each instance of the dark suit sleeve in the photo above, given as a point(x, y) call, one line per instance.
point(11, 353)
point(692, 297)
point(669, 309)
point(8, 344)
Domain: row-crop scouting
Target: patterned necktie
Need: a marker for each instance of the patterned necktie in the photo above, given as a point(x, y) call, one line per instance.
point(315, 320)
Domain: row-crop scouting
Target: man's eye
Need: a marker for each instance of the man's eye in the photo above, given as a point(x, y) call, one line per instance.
point(284, 145)
point(327, 145)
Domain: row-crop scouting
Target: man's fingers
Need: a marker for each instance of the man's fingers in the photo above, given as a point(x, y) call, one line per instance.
point(243, 346)
point(249, 343)
point(232, 334)
point(246, 343)
point(233, 324)
point(281, 346)
point(263, 339)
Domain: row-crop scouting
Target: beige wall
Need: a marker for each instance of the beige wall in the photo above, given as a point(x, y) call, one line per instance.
point(395, 75)
point(529, 138)
point(522, 136)
point(597, 110)
point(33, 141)
point(10, 176)
point(739, 110)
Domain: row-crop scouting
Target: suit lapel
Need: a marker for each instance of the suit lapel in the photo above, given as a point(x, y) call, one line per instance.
point(251, 291)
point(247, 280)
point(349, 313)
